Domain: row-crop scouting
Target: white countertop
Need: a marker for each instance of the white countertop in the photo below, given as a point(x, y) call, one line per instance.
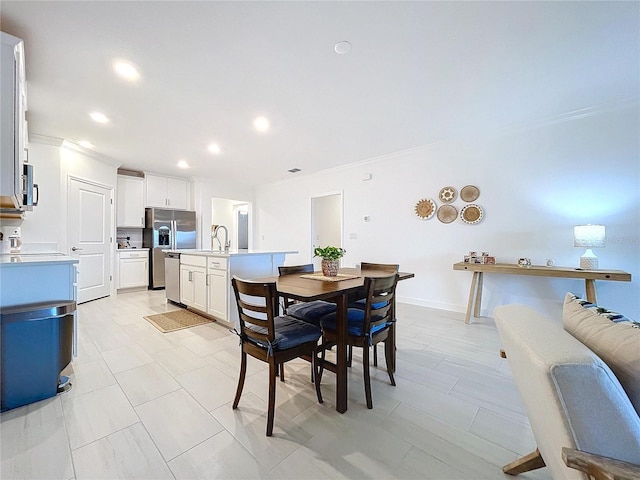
point(231, 253)
point(17, 259)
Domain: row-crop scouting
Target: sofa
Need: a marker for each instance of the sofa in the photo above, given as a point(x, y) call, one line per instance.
point(579, 380)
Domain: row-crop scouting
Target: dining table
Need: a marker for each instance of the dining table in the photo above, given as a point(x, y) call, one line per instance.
point(349, 284)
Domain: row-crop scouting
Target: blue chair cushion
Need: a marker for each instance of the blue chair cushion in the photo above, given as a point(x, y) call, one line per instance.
point(290, 332)
point(355, 322)
point(311, 312)
point(362, 303)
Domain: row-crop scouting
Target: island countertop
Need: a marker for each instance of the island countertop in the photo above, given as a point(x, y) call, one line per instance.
point(18, 259)
point(231, 253)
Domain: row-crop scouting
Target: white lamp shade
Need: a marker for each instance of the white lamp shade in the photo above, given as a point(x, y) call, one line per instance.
point(588, 236)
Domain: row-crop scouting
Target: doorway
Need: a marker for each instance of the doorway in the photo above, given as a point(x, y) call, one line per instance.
point(89, 222)
point(326, 222)
point(235, 215)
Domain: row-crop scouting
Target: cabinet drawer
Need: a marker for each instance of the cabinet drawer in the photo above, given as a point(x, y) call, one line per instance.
point(217, 263)
point(194, 260)
point(133, 254)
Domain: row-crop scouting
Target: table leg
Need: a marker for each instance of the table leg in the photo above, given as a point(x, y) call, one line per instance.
point(476, 308)
point(341, 354)
point(590, 287)
point(474, 283)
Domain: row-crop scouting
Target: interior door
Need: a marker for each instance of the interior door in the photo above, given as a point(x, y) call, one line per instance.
point(89, 221)
point(326, 223)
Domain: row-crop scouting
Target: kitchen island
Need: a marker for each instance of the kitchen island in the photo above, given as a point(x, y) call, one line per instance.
point(205, 278)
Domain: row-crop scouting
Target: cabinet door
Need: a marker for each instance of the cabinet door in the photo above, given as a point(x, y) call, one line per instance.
point(186, 286)
point(217, 294)
point(156, 191)
point(199, 288)
point(132, 272)
point(177, 193)
point(130, 203)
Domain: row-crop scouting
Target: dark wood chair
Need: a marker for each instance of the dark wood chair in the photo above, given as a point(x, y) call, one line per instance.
point(366, 327)
point(271, 338)
point(360, 302)
point(310, 312)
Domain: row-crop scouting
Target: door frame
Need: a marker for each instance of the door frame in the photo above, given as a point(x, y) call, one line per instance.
point(312, 219)
point(112, 223)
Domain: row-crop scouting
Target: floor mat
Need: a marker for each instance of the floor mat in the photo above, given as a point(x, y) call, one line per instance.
point(176, 320)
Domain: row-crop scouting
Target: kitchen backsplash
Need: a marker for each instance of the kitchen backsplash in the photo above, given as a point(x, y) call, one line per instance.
point(129, 237)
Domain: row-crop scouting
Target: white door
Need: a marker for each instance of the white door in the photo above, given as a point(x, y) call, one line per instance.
point(326, 223)
point(89, 220)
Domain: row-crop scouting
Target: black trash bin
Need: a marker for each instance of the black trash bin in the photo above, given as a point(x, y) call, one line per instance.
point(37, 343)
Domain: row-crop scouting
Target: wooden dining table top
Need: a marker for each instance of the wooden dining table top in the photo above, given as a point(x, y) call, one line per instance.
point(299, 288)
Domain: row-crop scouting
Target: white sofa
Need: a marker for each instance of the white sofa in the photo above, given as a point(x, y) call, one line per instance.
point(581, 390)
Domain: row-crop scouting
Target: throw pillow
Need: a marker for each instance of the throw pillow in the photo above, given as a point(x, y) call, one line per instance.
point(610, 335)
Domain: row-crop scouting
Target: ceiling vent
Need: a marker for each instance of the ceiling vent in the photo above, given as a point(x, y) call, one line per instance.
point(294, 170)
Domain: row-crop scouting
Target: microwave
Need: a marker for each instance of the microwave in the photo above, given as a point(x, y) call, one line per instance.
point(20, 198)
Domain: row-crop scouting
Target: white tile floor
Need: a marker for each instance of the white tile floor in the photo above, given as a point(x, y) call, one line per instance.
point(148, 405)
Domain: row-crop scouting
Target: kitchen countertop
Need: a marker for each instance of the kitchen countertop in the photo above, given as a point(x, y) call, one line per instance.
point(17, 259)
point(232, 253)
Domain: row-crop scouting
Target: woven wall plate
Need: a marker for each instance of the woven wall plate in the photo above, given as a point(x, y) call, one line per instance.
point(448, 194)
point(447, 213)
point(471, 214)
point(469, 193)
point(425, 208)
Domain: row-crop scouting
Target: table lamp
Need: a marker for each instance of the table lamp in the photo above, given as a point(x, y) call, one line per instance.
point(588, 236)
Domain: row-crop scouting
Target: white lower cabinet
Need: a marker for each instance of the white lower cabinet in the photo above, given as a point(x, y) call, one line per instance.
point(133, 268)
point(217, 287)
point(193, 281)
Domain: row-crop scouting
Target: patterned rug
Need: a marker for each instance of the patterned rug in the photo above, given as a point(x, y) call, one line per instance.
point(176, 320)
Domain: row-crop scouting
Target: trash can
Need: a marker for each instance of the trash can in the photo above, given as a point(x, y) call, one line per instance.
point(37, 341)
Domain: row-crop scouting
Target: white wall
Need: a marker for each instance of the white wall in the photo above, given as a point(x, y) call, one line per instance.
point(536, 183)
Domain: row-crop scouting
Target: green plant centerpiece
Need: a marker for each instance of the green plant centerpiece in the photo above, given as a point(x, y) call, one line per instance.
point(330, 259)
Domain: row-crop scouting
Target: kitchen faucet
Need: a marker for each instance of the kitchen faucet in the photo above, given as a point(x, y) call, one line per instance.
point(227, 243)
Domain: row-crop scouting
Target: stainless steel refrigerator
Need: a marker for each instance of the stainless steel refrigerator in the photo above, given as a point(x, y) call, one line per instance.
point(166, 230)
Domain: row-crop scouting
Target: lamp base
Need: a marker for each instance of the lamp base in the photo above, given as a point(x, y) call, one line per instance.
point(588, 261)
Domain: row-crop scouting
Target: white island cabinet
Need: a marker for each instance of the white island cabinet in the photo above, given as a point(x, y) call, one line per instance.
point(205, 278)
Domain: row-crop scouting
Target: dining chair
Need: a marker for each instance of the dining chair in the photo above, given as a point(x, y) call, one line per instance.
point(310, 312)
point(271, 338)
point(366, 327)
point(360, 302)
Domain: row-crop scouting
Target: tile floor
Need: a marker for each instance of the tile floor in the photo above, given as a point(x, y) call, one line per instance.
point(148, 405)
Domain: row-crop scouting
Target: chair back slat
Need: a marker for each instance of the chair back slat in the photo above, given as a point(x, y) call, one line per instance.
point(379, 290)
point(383, 267)
point(256, 302)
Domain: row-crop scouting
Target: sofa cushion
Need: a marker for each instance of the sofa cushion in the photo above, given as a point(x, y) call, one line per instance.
point(611, 336)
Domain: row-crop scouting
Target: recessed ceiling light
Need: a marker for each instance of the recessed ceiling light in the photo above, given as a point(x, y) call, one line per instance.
point(126, 70)
point(99, 117)
point(214, 148)
point(183, 164)
point(85, 144)
point(262, 124)
point(342, 47)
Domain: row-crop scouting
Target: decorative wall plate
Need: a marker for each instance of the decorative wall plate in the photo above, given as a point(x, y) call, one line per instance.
point(425, 208)
point(471, 213)
point(448, 194)
point(469, 193)
point(447, 213)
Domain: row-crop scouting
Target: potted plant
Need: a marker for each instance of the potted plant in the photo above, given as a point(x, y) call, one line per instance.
point(330, 259)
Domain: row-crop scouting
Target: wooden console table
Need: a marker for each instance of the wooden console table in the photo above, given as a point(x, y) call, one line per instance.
point(589, 276)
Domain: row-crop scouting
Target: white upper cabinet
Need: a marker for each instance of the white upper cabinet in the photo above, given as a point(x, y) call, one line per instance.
point(130, 202)
point(167, 192)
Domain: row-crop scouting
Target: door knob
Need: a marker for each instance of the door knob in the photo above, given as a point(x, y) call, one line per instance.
point(73, 249)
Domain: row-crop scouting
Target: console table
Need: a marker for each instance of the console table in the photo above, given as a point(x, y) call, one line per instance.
point(589, 276)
